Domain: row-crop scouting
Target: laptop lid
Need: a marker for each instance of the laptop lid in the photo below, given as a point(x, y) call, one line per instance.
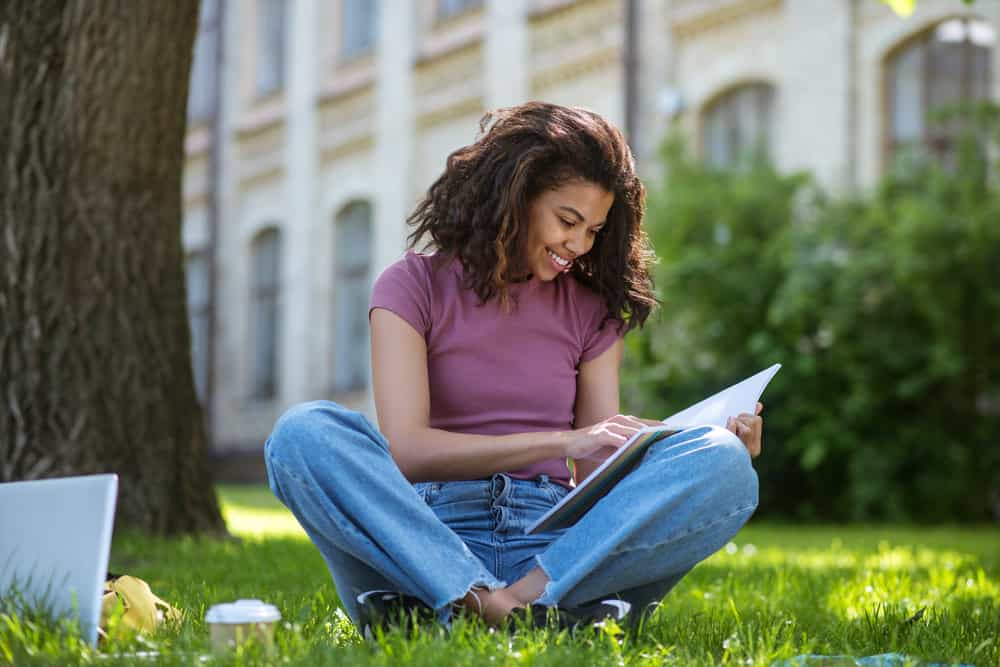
point(55, 541)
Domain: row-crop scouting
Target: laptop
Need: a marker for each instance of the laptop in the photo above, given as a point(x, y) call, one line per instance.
point(55, 541)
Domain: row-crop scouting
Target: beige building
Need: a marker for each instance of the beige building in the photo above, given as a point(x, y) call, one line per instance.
point(333, 116)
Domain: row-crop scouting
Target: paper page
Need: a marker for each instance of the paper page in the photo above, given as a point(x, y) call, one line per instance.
point(716, 409)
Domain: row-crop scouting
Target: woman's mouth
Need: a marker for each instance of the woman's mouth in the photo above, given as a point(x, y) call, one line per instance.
point(560, 263)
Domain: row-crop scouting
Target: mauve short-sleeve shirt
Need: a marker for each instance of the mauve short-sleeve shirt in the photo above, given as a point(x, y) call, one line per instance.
point(497, 373)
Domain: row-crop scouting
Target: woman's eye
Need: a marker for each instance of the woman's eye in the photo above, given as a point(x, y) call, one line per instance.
point(566, 222)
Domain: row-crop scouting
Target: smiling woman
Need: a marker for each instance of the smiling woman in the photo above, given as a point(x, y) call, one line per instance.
point(495, 358)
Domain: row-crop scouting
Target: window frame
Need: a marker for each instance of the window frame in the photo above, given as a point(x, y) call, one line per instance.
point(266, 53)
point(934, 140)
point(726, 100)
point(357, 52)
point(264, 383)
point(359, 276)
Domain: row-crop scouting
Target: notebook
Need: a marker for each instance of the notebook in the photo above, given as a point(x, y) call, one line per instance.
point(714, 410)
point(55, 541)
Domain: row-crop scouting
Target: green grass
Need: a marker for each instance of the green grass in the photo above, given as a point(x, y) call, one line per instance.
point(777, 592)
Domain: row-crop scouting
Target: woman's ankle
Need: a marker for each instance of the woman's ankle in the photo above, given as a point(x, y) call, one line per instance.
point(492, 606)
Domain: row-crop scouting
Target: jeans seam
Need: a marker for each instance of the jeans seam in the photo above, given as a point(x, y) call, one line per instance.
point(273, 460)
point(703, 527)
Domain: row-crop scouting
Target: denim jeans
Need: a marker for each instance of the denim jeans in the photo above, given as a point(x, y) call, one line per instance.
point(435, 540)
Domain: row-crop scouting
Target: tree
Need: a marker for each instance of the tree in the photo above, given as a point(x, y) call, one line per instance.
point(95, 367)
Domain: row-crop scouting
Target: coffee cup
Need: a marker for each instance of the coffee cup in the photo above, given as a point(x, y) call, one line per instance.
point(233, 623)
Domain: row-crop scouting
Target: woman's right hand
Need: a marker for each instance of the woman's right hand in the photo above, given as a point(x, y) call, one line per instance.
point(601, 440)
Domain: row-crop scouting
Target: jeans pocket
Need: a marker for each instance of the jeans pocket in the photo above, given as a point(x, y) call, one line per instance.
point(556, 492)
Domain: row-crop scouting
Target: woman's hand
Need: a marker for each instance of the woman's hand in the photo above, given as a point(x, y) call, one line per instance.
point(748, 429)
point(599, 441)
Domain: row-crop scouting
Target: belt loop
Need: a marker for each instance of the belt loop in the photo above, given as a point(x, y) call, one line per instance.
point(543, 479)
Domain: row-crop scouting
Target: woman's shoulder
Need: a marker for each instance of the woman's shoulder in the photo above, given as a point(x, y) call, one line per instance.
point(411, 264)
point(429, 272)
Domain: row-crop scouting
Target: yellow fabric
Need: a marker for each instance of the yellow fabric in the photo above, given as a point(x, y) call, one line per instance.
point(143, 611)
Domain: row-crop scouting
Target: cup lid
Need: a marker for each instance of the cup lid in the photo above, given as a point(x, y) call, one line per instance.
point(243, 611)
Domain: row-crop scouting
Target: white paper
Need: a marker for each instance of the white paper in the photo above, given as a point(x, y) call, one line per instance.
point(716, 409)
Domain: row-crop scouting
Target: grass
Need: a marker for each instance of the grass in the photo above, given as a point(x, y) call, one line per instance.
point(778, 591)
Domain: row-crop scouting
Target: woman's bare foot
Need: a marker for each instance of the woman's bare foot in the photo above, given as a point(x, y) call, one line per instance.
point(492, 606)
point(495, 606)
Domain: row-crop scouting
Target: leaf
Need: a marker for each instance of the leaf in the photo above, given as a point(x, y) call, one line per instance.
point(902, 7)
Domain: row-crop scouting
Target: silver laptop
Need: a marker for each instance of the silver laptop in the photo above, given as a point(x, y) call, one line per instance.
point(55, 540)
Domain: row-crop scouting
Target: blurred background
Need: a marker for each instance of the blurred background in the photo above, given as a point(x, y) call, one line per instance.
point(823, 193)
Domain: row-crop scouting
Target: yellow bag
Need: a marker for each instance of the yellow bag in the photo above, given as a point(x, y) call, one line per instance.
point(143, 611)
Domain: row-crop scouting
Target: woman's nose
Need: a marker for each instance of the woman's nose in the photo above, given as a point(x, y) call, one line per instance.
point(577, 244)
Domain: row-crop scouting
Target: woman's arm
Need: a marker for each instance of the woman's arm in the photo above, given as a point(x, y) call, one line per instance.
point(597, 399)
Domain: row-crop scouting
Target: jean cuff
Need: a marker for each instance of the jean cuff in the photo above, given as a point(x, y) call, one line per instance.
point(551, 595)
point(483, 580)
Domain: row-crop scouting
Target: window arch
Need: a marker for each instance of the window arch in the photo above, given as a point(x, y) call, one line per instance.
point(946, 65)
point(737, 124)
point(352, 285)
point(265, 305)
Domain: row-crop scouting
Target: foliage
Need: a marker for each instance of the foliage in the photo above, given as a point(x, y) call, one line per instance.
point(905, 7)
point(780, 592)
point(882, 309)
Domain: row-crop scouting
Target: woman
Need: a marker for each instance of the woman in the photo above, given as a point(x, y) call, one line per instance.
point(494, 360)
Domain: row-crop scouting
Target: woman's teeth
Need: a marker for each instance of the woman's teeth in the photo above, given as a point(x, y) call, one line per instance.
point(559, 260)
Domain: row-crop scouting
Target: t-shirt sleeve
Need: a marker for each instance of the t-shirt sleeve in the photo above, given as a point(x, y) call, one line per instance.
point(404, 289)
point(599, 334)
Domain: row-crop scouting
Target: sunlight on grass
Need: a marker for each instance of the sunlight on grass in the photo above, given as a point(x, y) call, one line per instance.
point(773, 593)
point(251, 511)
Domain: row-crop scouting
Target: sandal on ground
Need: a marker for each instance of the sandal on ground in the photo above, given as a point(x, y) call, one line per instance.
point(570, 618)
point(391, 610)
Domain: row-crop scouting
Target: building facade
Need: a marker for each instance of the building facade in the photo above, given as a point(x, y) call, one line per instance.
point(315, 125)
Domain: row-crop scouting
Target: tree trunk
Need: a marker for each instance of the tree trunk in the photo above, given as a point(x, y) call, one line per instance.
point(95, 362)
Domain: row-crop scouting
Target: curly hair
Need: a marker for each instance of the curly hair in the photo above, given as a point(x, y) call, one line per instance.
point(478, 210)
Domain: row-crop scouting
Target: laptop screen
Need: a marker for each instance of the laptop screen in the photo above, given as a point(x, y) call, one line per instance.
point(55, 541)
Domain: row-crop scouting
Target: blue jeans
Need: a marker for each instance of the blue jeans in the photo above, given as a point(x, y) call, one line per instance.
point(435, 540)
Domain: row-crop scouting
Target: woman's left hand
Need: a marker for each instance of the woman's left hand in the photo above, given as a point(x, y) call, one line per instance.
point(748, 429)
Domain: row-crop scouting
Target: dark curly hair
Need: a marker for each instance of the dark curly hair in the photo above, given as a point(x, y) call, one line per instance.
point(478, 209)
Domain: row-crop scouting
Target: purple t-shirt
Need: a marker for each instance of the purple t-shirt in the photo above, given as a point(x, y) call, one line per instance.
point(496, 373)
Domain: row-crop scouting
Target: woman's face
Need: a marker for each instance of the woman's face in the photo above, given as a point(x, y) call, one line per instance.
point(563, 224)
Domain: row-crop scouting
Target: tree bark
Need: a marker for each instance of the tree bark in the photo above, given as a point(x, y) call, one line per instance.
point(95, 362)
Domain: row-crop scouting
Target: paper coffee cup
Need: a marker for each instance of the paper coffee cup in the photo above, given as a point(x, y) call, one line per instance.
point(232, 623)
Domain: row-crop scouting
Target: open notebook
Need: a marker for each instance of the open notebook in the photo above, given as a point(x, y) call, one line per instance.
point(714, 410)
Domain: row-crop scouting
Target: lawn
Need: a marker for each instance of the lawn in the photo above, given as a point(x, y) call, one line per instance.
point(778, 591)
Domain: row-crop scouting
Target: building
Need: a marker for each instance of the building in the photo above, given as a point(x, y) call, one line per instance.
point(315, 125)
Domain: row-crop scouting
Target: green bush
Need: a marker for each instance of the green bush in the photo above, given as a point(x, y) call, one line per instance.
point(884, 310)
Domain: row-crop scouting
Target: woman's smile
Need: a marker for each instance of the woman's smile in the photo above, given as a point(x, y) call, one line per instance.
point(560, 263)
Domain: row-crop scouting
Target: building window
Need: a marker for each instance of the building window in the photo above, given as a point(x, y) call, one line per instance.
point(736, 126)
point(204, 73)
point(448, 8)
point(265, 304)
point(270, 46)
point(198, 303)
point(943, 67)
point(352, 284)
point(357, 28)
